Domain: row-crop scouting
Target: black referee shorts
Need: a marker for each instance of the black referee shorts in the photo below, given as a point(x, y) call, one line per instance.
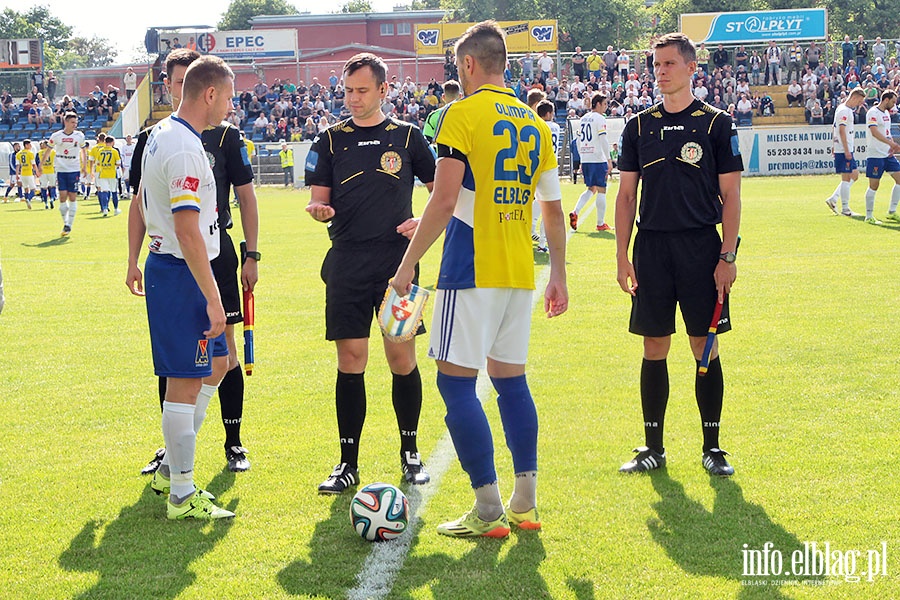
point(676, 268)
point(355, 282)
point(224, 268)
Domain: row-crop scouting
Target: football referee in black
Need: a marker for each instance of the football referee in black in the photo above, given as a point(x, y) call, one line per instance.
point(231, 167)
point(687, 156)
point(361, 172)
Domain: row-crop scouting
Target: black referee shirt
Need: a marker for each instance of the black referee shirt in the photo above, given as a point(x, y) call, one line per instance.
point(227, 156)
point(370, 171)
point(680, 157)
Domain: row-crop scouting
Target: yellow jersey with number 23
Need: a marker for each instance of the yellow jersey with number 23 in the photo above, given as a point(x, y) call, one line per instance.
point(506, 148)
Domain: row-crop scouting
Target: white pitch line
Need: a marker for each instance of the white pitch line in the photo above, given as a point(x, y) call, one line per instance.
point(379, 572)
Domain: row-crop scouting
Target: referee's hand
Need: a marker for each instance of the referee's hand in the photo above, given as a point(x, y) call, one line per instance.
point(320, 212)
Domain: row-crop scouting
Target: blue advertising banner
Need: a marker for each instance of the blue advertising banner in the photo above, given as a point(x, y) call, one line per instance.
point(756, 26)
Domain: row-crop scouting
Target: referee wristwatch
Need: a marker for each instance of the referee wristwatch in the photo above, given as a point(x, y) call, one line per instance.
point(728, 257)
point(257, 256)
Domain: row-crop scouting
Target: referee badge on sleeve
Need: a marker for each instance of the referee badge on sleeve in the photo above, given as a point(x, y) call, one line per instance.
point(399, 316)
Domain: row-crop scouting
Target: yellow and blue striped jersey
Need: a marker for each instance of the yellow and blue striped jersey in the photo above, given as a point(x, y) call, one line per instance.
point(506, 148)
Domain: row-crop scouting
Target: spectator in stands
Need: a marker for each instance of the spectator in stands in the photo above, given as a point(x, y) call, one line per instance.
point(718, 103)
point(794, 62)
point(744, 111)
point(578, 63)
point(270, 135)
point(766, 106)
point(527, 64)
point(813, 55)
point(260, 124)
point(260, 89)
point(623, 64)
point(720, 57)
point(281, 130)
point(254, 109)
point(703, 58)
point(730, 96)
point(847, 51)
point(594, 64)
point(309, 129)
point(130, 81)
point(545, 63)
point(756, 67)
point(337, 98)
point(773, 63)
point(700, 92)
point(112, 95)
point(861, 49)
point(7, 114)
point(741, 59)
point(91, 106)
point(610, 61)
point(51, 86)
point(816, 113)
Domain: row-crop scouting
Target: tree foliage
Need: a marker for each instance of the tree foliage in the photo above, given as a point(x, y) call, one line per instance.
point(240, 12)
point(356, 6)
point(38, 22)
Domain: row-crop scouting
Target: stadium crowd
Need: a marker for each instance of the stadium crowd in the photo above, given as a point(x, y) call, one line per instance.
point(737, 80)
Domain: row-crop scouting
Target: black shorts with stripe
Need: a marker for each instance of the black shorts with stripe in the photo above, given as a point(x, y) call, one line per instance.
point(676, 268)
point(224, 268)
point(356, 277)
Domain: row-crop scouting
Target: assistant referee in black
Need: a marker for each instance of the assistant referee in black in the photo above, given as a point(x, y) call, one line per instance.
point(687, 157)
point(231, 167)
point(362, 172)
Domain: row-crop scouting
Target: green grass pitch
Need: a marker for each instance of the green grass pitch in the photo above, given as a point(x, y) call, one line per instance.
point(809, 417)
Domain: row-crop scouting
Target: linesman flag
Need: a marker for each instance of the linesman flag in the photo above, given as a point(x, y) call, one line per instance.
point(249, 318)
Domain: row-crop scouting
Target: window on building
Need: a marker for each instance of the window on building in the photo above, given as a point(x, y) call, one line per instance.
point(387, 29)
point(404, 29)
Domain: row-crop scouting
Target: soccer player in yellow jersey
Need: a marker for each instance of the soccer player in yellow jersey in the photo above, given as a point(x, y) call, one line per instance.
point(25, 171)
point(108, 161)
point(47, 160)
point(495, 158)
point(92, 166)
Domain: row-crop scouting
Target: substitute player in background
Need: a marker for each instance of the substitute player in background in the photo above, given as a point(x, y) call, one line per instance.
point(47, 159)
point(687, 157)
point(844, 146)
point(362, 172)
point(546, 111)
point(25, 171)
point(187, 320)
point(483, 196)
point(70, 154)
point(880, 159)
point(231, 167)
point(14, 181)
point(593, 148)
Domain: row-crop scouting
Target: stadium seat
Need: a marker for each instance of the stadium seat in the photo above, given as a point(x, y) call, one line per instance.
point(257, 137)
point(44, 127)
point(30, 126)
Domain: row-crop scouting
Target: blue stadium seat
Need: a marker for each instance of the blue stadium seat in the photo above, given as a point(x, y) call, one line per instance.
point(30, 126)
point(17, 127)
point(44, 127)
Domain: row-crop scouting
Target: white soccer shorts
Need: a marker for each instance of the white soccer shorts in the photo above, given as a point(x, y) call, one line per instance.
point(472, 324)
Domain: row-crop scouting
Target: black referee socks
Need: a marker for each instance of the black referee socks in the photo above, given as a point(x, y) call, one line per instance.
point(710, 390)
point(654, 398)
point(231, 400)
point(350, 400)
point(406, 394)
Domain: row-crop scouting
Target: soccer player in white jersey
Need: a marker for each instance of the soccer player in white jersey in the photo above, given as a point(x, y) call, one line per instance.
point(844, 162)
point(545, 111)
point(127, 151)
point(880, 159)
point(68, 144)
point(593, 146)
point(184, 308)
